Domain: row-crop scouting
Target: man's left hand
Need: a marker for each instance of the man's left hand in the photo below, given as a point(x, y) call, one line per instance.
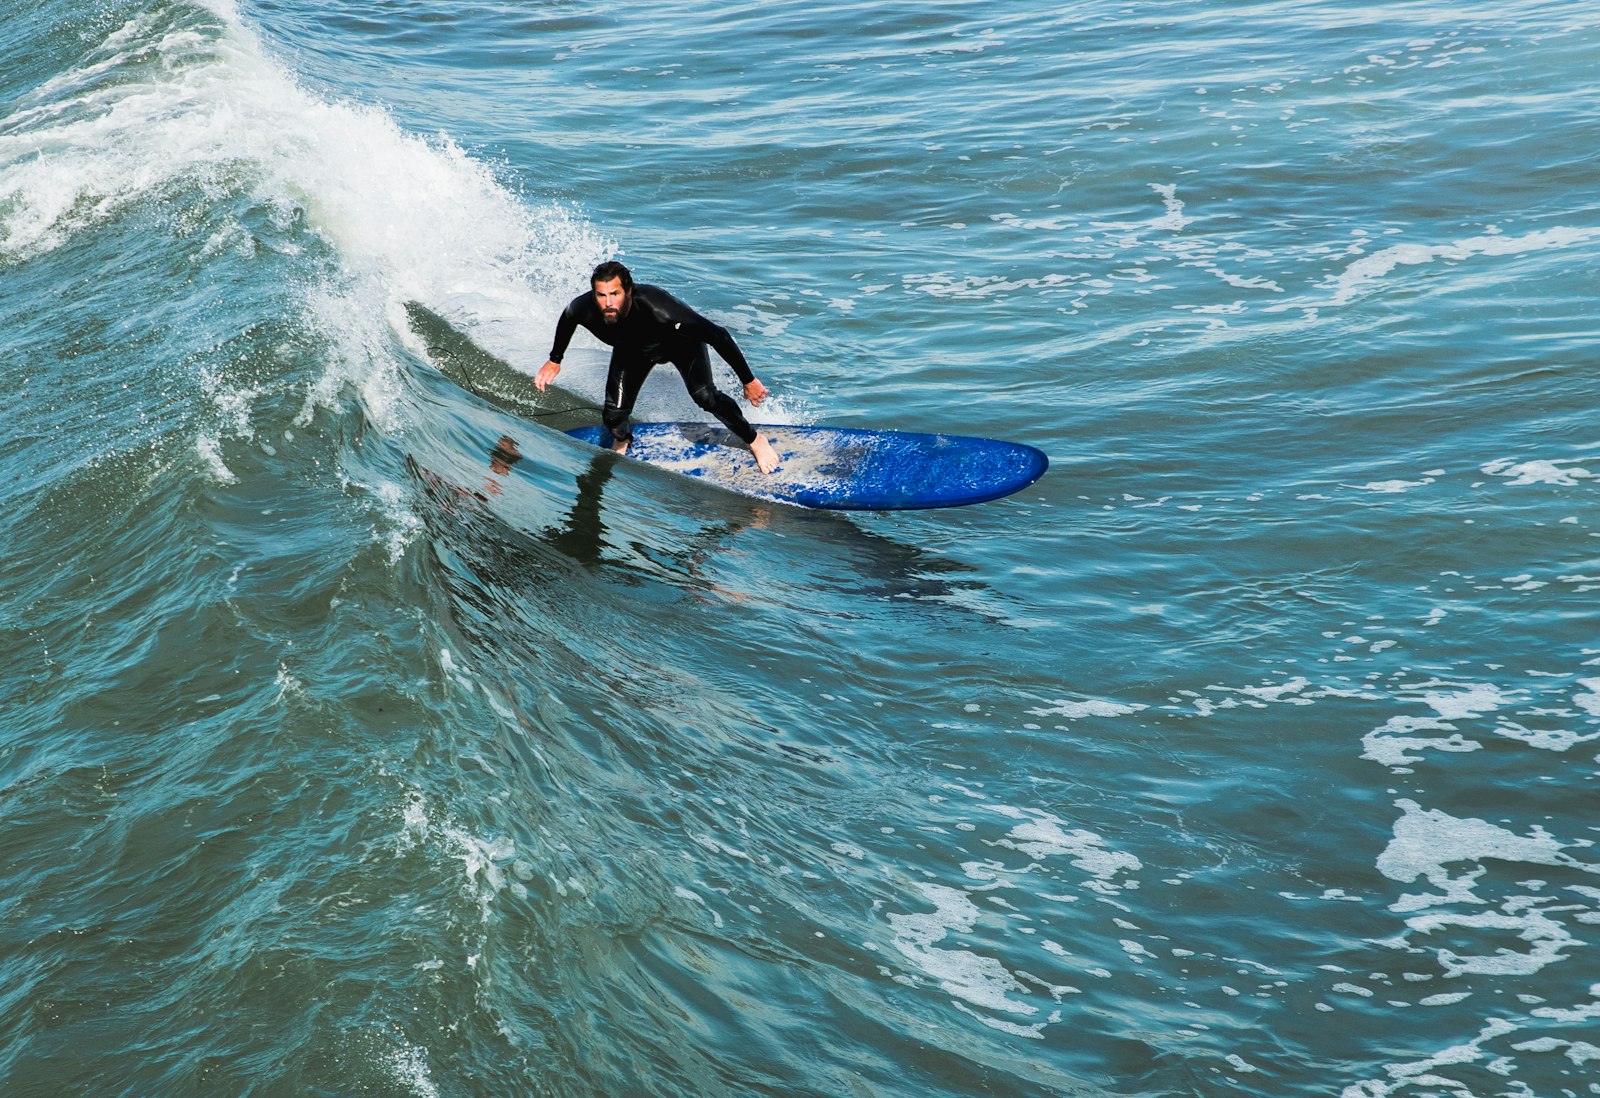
point(754, 391)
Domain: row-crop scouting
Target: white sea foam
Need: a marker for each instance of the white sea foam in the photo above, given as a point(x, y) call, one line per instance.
point(1370, 269)
point(981, 984)
point(1427, 840)
point(489, 866)
point(1394, 487)
point(1589, 701)
point(1543, 940)
point(979, 980)
point(1173, 220)
point(1585, 1012)
point(210, 450)
point(1564, 472)
point(1462, 701)
point(1579, 1052)
point(1425, 1072)
point(1515, 935)
point(1545, 739)
point(1283, 691)
point(1091, 707)
point(1041, 835)
point(409, 1066)
point(1392, 743)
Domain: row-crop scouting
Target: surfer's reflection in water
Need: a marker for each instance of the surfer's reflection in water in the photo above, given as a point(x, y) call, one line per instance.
point(453, 499)
point(880, 567)
point(502, 457)
point(581, 534)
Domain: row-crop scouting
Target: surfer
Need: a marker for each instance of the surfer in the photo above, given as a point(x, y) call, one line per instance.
point(645, 326)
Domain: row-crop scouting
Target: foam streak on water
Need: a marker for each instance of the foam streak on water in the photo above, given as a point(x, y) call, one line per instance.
point(364, 734)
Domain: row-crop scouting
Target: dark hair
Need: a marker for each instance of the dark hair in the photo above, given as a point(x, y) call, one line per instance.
point(612, 269)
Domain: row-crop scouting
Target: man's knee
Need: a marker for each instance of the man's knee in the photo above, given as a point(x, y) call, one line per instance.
point(708, 397)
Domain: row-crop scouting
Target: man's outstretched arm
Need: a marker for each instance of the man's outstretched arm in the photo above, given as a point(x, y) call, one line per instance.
point(566, 324)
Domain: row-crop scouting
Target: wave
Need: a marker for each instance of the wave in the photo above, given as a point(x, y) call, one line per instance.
point(181, 113)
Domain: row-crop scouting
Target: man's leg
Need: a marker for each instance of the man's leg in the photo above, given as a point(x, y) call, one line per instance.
point(695, 369)
point(623, 381)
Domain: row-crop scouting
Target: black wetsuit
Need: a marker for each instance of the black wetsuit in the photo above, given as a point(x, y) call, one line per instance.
point(657, 328)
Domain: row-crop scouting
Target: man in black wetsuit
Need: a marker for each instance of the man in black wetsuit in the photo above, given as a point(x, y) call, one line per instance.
point(644, 326)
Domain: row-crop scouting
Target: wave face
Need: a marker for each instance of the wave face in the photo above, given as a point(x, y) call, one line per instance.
point(363, 734)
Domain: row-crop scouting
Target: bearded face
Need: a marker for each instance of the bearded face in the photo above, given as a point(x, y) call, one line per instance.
point(613, 300)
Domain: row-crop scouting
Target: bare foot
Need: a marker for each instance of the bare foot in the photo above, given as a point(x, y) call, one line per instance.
point(622, 446)
point(766, 456)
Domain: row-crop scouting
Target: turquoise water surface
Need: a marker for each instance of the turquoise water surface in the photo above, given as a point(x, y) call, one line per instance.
point(365, 735)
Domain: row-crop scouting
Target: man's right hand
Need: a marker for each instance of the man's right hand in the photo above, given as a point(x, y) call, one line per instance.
point(547, 373)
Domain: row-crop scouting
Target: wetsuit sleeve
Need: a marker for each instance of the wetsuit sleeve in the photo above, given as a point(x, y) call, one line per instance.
point(566, 324)
point(695, 327)
point(721, 341)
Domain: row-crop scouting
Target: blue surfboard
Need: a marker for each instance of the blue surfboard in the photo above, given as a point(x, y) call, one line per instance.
point(840, 468)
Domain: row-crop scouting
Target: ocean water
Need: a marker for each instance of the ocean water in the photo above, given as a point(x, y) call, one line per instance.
point(364, 735)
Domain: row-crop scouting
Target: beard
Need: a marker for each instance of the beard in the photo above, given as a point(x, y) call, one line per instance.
point(612, 316)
